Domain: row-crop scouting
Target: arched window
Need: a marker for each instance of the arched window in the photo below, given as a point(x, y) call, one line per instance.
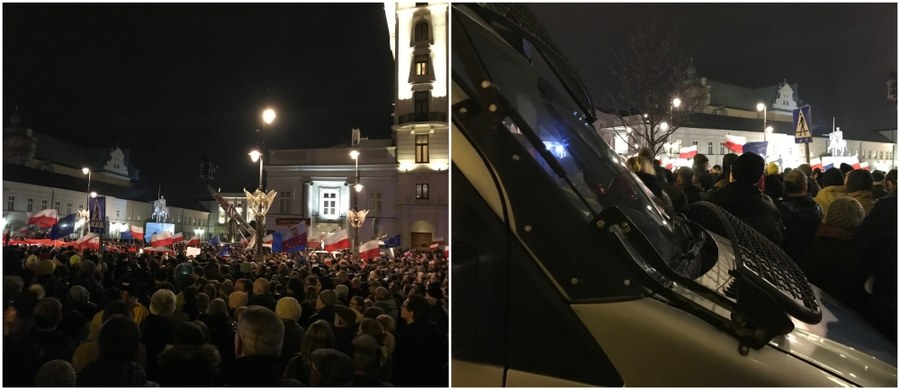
point(422, 31)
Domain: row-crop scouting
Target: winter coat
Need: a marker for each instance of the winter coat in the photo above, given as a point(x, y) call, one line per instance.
point(156, 333)
point(827, 195)
point(293, 336)
point(865, 198)
point(833, 265)
point(876, 241)
point(189, 366)
point(747, 203)
point(112, 373)
point(801, 216)
point(259, 371)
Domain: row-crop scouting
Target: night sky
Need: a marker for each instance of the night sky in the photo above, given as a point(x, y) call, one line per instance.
point(840, 55)
point(176, 82)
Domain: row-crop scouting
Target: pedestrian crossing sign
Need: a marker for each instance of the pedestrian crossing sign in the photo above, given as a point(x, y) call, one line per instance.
point(802, 133)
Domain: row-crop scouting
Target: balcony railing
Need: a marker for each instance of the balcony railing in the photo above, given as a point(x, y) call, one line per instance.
point(423, 117)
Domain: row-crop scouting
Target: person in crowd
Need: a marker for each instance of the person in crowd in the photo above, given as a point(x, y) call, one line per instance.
point(832, 187)
point(773, 186)
point(235, 300)
point(688, 188)
point(330, 368)
point(890, 182)
point(725, 177)
point(859, 184)
point(367, 362)
point(118, 340)
point(158, 330)
point(189, 309)
point(386, 344)
point(55, 373)
point(701, 172)
point(876, 243)
point(420, 358)
point(261, 294)
point(801, 215)
point(85, 278)
point(289, 311)
point(878, 184)
point(221, 332)
point(50, 342)
point(345, 328)
point(812, 187)
point(845, 168)
point(744, 200)
point(78, 310)
point(832, 263)
point(319, 335)
point(386, 302)
point(44, 276)
point(89, 351)
point(260, 336)
point(130, 294)
point(325, 306)
point(190, 361)
point(715, 171)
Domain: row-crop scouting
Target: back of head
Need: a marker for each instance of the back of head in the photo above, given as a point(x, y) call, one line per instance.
point(748, 168)
point(371, 327)
point(845, 213)
point(387, 322)
point(162, 303)
point(47, 313)
point(288, 308)
point(55, 373)
point(845, 168)
point(832, 177)
point(700, 161)
point(366, 354)
point(686, 174)
point(189, 333)
point(772, 168)
point(806, 168)
point(331, 368)
point(859, 180)
point(419, 306)
point(891, 176)
point(319, 335)
point(118, 338)
point(217, 307)
point(237, 299)
point(260, 286)
point(261, 332)
point(795, 182)
point(877, 175)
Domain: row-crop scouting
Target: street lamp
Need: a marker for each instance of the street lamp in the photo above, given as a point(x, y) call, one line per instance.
point(255, 155)
point(676, 102)
point(355, 216)
point(87, 205)
point(762, 107)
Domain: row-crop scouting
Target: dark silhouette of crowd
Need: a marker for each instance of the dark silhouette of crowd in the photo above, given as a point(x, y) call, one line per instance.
point(838, 225)
point(121, 318)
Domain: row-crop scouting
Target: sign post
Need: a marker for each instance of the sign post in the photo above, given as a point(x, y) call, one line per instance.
point(802, 132)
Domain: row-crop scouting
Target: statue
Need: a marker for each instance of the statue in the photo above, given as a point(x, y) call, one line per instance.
point(836, 143)
point(357, 218)
point(259, 201)
point(160, 211)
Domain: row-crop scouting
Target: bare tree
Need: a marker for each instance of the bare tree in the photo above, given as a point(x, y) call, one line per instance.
point(652, 69)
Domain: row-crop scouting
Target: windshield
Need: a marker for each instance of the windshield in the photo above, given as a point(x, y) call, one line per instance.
point(551, 127)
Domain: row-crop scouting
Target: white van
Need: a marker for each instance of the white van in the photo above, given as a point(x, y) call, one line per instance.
point(567, 271)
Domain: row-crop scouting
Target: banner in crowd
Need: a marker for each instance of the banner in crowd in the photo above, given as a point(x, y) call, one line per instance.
point(392, 242)
point(44, 218)
point(215, 241)
point(688, 152)
point(337, 241)
point(369, 250)
point(64, 227)
point(194, 241)
point(178, 237)
point(292, 239)
point(760, 147)
point(98, 214)
point(137, 233)
point(90, 240)
point(162, 238)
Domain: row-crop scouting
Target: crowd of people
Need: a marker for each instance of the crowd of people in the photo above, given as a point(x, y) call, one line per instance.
point(118, 317)
point(839, 225)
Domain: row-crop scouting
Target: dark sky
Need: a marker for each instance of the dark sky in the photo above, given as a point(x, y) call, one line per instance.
point(840, 55)
point(175, 82)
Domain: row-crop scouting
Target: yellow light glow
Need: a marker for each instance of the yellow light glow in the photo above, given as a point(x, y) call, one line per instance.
point(406, 166)
point(255, 155)
point(269, 115)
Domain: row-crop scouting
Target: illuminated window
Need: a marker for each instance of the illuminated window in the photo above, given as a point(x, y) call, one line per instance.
point(422, 148)
point(721, 148)
point(421, 105)
point(10, 202)
point(44, 204)
point(422, 191)
point(68, 208)
point(285, 202)
point(375, 203)
point(422, 31)
point(29, 205)
point(328, 201)
point(421, 66)
point(709, 148)
point(56, 206)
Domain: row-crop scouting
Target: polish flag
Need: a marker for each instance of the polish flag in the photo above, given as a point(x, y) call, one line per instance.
point(735, 143)
point(161, 239)
point(194, 241)
point(44, 218)
point(816, 163)
point(268, 239)
point(86, 240)
point(137, 233)
point(337, 241)
point(863, 165)
point(688, 152)
point(178, 237)
point(369, 250)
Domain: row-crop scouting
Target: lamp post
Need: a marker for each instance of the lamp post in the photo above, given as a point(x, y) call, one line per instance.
point(356, 217)
point(87, 205)
point(268, 116)
point(762, 107)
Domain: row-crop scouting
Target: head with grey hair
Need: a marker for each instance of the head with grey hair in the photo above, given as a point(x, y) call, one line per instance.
point(162, 303)
point(55, 373)
point(260, 332)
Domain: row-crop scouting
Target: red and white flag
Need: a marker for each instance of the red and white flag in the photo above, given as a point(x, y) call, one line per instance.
point(816, 163)
point(735, 143)
point(268, 239)
point(44, 218)
point(369, 250)
point(137, 233)
point(194, 241)
point(178, 237)
point(86, 240)
point(161, 239)
point(337, 241)
point(688, 152)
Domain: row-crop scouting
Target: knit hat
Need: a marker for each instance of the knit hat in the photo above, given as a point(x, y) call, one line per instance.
point(342, 291)
point(832, 177)
point(32, 261)
point(859, 179)
point(345, 313)
point(44, 267)
point(288, 308)
point(87, 267)
point(845, 212)
point(334, 366)
point(328, 297)
point(237, 299)
point(748, 168)
point(381, 293)
point(245, 267)
point(74, 259)
point(79, 294)
point(189, 333)
point(877, 175)
point(772, 168)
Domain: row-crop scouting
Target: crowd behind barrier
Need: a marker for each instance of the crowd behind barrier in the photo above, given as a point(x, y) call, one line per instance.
point(121, 316)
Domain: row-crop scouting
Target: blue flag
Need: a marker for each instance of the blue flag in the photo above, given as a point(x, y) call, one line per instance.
point(215, 241)
point(290, 240)
point(392, 242)
point(759, 148)
point(64, 227)
point(225, 252)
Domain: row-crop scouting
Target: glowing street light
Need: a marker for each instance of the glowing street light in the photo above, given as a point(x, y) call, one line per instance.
point(676, 102)
point(87, 205)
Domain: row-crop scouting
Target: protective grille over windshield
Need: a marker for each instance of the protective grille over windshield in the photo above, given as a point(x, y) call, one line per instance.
point(523, 18)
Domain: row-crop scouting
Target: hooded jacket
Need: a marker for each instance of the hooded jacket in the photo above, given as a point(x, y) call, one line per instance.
point(827, 195)
point(801, 216)
point(745, 201)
